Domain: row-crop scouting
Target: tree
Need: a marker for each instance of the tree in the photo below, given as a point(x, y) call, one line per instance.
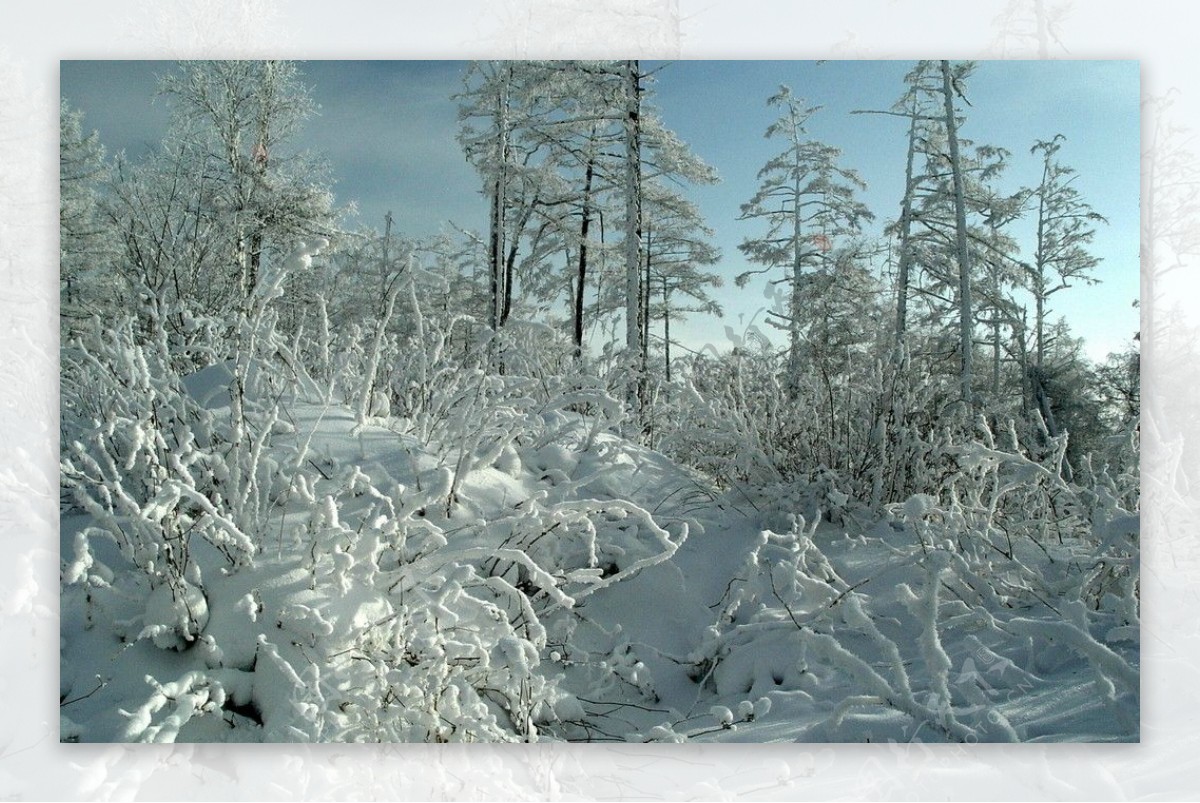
point(238, 118)
point(633, 233)
point(922, 106)
point(488, 94)
point(1065, 228)
point(196, 219)
point(544, 137)
point(678, 246)
point(169, 258)
point(951, 86)
point(996, 268)
point(1120, 388)
point(955, 253)
point(561, 146)
point(911, 105)
point(85, 242)
point(807, 202)
point(586, 210)
point(518, 129)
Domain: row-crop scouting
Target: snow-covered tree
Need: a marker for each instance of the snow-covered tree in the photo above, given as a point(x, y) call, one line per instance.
point(951, 88)
point(562, 146)
point(678, 248)
point(957, 257)
point(169, 260)
point(1120, 387)
point(85, 241)
point(807, 202)
point(240, 119)
point(1065, 229)
point(489, 91)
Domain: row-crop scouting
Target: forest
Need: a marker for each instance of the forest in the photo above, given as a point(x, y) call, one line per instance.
point(332, 482)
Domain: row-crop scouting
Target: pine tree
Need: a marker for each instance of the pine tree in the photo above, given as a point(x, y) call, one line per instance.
point(678, 247)
point(1065, 229)
point(807, 202)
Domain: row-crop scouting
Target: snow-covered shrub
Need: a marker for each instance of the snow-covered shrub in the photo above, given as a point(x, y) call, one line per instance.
point(1018, 538)
point(473, 417)
point(454, 657)
point(161, 462)
point(1008, 566)
point(585, 545)
point(141, 458)
point(818, 443)
point(794, 623)
point(443, 633)
point(1008, 511)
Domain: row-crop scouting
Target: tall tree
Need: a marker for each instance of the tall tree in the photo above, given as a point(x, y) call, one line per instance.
point(678, 246)
point(539, 134)
point(914, 106)
point(807, 202)
point(488, 94)
point(952, 87)
point(85, 241)
point(1065, 229)
point(632, 248)
point(912, 109)
point(171, 256)
point(952, 223)
point(586, 211)
point(576, 144)
point(240, 117)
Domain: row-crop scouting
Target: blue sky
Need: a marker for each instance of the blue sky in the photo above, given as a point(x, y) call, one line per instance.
point(388, 130)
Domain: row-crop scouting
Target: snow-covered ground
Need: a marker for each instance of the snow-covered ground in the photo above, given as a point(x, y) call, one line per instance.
point(564, 583)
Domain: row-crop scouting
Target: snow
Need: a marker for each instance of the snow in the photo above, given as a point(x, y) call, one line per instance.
point(249, 556)
point(371, 609)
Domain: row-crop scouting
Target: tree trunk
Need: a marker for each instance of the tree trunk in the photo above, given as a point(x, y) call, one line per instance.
point(1026, 379)
point(1040, 323)
point(666, 331)
point(960, 217)
point(645, 307)
point(906, 234)
point(1039, 277)
point(499, 201)
point(581, 282)
point(495, 245)
point(633, 235)
point(510, 260)
point(996, 357)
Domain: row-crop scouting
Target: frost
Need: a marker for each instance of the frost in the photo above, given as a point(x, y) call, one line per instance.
point(348, 508)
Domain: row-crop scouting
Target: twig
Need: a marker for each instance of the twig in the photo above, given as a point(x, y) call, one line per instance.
point(628, 705)
point(99, 686)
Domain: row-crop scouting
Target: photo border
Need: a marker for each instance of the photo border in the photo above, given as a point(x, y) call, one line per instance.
point(32, 762)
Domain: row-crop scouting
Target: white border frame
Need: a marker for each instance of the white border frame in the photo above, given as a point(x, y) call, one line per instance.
point(32, 762)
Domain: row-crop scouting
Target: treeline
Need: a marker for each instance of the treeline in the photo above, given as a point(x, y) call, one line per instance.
point(592, 239)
